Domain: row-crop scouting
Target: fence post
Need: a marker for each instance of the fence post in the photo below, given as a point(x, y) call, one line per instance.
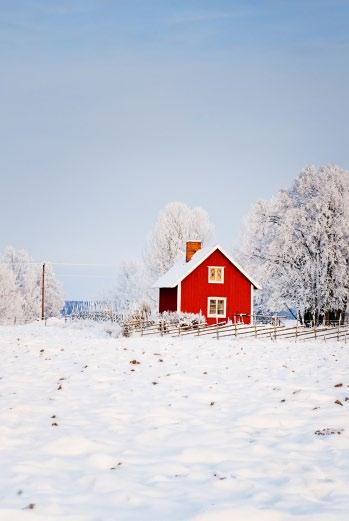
point(217, 331)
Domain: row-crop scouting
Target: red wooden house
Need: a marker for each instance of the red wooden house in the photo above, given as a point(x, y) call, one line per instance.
point(209, 282)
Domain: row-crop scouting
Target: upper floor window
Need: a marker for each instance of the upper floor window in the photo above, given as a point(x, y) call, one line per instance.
point(216, 274)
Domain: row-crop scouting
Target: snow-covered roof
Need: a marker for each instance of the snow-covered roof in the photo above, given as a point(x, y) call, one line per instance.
point(181, 269)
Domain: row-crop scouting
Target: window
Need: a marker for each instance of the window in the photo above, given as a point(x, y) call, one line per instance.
point(216, 274)
point(216, 307)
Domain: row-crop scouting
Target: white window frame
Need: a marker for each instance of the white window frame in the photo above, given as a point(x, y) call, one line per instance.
point(215, 315)
point(216, 281)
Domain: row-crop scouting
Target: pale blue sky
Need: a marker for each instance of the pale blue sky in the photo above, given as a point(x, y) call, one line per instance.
point(110, 109)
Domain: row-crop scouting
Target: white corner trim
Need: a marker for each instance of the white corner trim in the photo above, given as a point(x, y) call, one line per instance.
point(215, 281)
point(179, 297)
point(215, 315)
point(251, 312)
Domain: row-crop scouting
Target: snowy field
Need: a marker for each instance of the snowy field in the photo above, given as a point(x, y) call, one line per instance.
point(99, 428)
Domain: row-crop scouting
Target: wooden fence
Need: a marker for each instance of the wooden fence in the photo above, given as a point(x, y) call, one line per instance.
point(274, 330)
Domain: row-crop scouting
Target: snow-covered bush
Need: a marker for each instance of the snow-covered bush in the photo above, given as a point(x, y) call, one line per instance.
point(101, 328)
point(182, 319)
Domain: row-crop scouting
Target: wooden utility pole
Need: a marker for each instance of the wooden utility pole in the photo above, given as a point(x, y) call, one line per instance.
point(43, 293)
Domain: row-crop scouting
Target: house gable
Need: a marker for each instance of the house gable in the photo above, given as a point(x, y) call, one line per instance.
point(182, 269)
point(196, 288)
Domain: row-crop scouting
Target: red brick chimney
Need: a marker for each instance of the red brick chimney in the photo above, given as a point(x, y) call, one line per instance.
point(191, 249)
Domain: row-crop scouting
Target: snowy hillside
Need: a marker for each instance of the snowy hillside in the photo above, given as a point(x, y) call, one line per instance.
point(98, 428)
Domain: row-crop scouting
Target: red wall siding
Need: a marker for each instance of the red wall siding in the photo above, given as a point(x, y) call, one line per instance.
point(196, 289)
point(168, 299)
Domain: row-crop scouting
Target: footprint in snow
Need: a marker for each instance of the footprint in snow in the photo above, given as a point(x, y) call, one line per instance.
point(328, 431)
point(118, 465)
point(221, 478)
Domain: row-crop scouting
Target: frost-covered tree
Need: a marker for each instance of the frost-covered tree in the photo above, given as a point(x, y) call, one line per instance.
point(54, 300)
point(298, 244)
point(130, 292)
point(10, 298)
point(27, 279)
point(176, 224)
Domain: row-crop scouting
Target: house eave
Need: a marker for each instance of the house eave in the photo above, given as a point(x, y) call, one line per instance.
point(195, 265)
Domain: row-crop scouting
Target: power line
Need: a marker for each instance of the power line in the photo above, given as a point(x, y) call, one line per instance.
point(60, 264)
point(83, 264)
point(84, 275)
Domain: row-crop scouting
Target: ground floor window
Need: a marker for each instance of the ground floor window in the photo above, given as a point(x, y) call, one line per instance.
point(216, 307)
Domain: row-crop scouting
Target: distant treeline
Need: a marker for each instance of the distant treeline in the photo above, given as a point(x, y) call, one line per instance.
point(78, 307)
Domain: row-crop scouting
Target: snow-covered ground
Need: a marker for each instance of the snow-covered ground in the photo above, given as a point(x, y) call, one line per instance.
point(197, 429)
